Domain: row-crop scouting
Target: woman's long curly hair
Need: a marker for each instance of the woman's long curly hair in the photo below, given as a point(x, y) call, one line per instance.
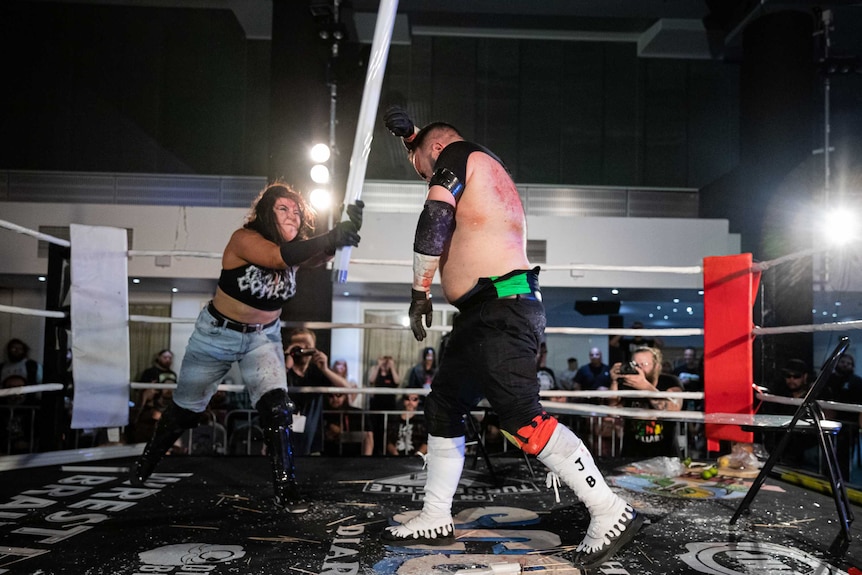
point(261, 216)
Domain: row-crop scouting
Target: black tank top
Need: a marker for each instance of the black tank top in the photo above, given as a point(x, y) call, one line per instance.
point(261, 288)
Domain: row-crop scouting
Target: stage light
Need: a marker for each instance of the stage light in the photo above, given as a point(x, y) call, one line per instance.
point(320, 198)
point(320, 174)
point(840, 226)
point(320, 153)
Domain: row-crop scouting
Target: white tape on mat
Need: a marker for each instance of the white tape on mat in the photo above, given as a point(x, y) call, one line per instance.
point(100, 327)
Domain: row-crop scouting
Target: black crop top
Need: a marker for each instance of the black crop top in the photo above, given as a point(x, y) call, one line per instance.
point(261, 288)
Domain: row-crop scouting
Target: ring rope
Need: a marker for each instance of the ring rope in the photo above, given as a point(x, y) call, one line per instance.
point(175, 253)
point(763, 266)
point(836, 326)
point(637, 269)
point(157, 319)
point(593, 409)
point(668, 332)
point(35, 234)
point(25, 389)
point(422, 391)
point(563, 267)
point(30, 311)
point(824, 403)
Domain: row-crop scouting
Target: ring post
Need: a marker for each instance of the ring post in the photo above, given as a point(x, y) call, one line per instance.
point(729, 287)
point(365, 124)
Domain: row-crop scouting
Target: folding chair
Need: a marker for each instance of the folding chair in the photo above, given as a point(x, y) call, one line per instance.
point(808, 417)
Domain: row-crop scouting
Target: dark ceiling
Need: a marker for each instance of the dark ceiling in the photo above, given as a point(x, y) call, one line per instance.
point(662, 28)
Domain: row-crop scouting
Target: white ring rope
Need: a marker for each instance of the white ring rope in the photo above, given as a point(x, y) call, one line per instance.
point(668, 332)
point(569, 408)
point(633, 413)
point(637, 269)
point(29, 311)
point(35, 234)
point(422, 391)
point(823, 403)
point(563, 267)
point(836, 326)
point(763, 266)
point(25, 389)
point(161, 319)
point(174, 253)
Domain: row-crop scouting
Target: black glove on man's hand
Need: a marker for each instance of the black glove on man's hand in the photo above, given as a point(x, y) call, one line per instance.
point(398, 122)
point(354, 213)
point(420, 307)
point(343, 234)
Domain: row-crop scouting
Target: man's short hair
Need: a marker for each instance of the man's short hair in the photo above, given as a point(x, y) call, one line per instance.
point(433, 128)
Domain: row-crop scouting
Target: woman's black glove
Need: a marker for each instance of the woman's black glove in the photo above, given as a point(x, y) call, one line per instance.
point(342, 235)
point(354, 213)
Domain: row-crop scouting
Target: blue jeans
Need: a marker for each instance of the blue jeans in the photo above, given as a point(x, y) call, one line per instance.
point(211, 352)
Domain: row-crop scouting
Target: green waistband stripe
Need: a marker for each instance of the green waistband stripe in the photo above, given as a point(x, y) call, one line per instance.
point(514, 285)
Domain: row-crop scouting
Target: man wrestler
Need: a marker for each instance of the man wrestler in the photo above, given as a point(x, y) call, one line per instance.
point(473, 228)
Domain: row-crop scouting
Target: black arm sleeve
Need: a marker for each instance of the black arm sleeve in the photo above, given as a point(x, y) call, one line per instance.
point(435, 227)
point(294, 253)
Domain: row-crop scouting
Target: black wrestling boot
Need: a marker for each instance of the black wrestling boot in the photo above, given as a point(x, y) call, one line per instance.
point(276, 416)
point(174, 421)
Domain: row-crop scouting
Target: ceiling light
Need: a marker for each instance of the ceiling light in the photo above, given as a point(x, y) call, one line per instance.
point(615, 291)
point(174, 290)
point(42, 279)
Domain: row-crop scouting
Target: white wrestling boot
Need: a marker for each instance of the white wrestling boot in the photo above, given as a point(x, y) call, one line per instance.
point(613, 522)
point(434, 525)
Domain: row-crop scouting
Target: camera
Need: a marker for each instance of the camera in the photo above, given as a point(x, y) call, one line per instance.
point(298, 352)
point(630, 368)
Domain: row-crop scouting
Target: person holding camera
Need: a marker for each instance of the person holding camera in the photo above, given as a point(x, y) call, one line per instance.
point(307, 366)
point(646, 437)
point(242, 324)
